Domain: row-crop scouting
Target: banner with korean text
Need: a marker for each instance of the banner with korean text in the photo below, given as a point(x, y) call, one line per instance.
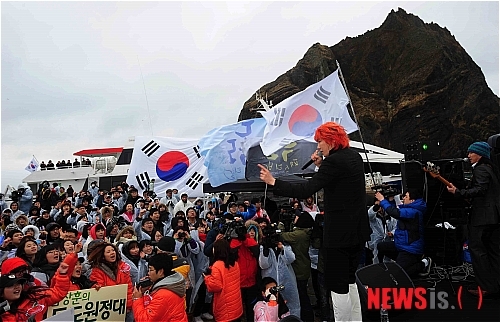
point(107, 304)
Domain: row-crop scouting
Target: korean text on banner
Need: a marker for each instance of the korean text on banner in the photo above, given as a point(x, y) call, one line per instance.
point(109, 304)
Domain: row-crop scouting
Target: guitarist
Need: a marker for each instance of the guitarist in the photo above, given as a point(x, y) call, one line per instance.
point(484, 220)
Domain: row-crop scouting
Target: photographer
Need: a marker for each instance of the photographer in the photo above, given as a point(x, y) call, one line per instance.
point(408, 245)
point(273, 307)
point(276, 260)
point(164, 301)
point(382, 225)
point(25, 198)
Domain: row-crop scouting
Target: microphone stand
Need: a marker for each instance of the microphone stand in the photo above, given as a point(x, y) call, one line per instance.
point(448, 275)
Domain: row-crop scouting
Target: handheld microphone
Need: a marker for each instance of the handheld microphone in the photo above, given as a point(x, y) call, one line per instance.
point(305, 166)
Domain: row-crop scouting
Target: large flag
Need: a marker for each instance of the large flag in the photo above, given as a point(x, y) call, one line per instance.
point(298, 116)
point(225, 149)
point(33, 165)
point(171, 162)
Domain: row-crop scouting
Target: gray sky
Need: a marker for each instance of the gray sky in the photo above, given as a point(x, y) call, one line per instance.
point(71, 78)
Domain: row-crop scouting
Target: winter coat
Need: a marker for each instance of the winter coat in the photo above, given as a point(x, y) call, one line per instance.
point(379, 234)
point(484, 190)
point(299, 239)
point(342, 177)
point(92, 236)
point(225, 284)
point(137, 271)
point(26, 200)
point(181, 205)
point(165, 301)
point(75, 284)
point(55, 295)
point(280, 268)
point(105, 277)
point(200, 264)
point(247, 260)
point(409, 234)
point(188, 250)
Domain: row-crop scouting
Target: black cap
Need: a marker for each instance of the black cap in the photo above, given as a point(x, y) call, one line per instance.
point(166, 244)
point(10, 279)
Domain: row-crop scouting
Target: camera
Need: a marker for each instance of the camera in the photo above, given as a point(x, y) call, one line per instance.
point(208, 271)
point(15, 195)
point(386, 190)
point(272, 236)
point(235, 229)
point(276, 289)
point(231, 229)
point(145, 283)
point(181, 234)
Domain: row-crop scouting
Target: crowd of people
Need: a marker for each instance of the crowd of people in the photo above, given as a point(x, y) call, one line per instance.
point(212, 259)
point(65, 164)
point(219, 259)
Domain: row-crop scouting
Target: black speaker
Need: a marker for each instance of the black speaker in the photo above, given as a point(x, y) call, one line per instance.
point(380, 275)
point(439, 201)
point(445, 246)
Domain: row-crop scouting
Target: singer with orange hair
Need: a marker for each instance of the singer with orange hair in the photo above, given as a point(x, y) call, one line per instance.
point(346, 225)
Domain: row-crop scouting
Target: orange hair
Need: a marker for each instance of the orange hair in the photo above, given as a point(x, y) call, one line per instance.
point(333, 134)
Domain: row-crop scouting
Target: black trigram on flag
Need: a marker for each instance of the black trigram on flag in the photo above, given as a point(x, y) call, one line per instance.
point(194, 180)
point(143, 180)
point(322, 95)
point(197, 151)
point(150, 148)
point(337, 120)
point(285, 142)
point(279, 114)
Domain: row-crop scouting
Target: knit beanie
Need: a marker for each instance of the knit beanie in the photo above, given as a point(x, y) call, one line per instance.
point(480, 148)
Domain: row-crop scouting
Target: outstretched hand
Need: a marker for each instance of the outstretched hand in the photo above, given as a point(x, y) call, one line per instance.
point(266, 176)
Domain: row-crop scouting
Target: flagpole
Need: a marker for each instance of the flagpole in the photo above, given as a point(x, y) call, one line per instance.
point(355, 120)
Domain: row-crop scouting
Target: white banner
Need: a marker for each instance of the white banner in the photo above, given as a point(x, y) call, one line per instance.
point(170, 162)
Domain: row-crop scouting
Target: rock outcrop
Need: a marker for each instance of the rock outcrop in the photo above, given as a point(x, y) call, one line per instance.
point(408, 81)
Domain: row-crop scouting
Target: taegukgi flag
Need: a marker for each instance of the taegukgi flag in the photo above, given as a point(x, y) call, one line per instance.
point(298, 116)
point(33, 165)
point(171, 162)
point(225, 149)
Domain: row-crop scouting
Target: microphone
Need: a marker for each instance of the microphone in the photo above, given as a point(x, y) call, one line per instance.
point(305, 166)
point(459, 160)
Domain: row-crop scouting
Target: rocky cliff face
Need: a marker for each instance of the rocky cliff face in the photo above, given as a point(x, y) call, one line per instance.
point(408, 81)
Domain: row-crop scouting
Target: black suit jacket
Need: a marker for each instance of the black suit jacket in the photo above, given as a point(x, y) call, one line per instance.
point(484, 191)
point(342, 177)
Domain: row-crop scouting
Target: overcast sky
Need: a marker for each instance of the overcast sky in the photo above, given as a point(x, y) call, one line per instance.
point(71, 71)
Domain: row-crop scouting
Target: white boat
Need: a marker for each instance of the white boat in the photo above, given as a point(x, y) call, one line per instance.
point(110, 167)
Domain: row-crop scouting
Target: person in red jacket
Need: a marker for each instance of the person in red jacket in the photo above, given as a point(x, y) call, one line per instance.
point(33, 302)
point(78, 281)
point(223, 279)
point(108, 269)
point(248, 252)
point(164, 301)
